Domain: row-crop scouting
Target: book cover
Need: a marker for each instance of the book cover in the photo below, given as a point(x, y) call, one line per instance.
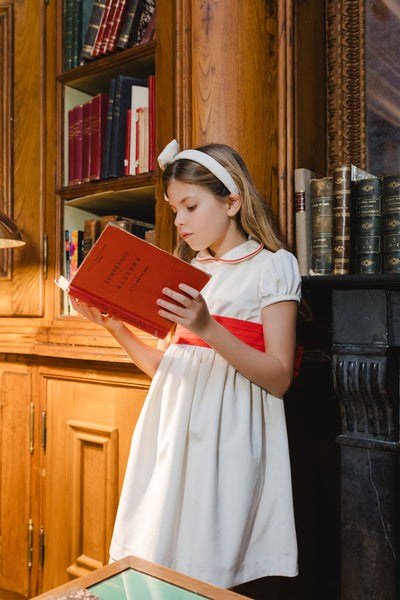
point(86, 140)
point(150, 29)
point(302, 179)
point(140, 23)
point(152, 122)
point(124, 276)
point(76, 32)
point(321, 191)
point(75, 250)
point(391, 223)
point(142, 140)
point(98, 135)
point(71, 126)
point(368, 226)
point(68, 8)
point(98, 9)
point(139, 99)
point(343, 177)
point(105, 166)
point(122, 102)
point(119, 18)
point(77, 144)
point(133, 7)
point(109, 26)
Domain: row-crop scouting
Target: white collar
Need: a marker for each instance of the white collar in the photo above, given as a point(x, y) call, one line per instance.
point(236, 254)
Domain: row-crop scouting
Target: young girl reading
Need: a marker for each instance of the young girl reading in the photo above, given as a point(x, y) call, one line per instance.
point(207, 490)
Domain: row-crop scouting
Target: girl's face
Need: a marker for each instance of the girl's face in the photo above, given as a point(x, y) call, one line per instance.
point(202, 220)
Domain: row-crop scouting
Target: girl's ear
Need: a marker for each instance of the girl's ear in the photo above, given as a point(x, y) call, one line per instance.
point(234, 204)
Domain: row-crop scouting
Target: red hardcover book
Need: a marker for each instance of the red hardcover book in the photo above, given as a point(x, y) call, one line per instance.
point(150, 29)
point(109, 26)
point(99, 123)
point(117, 24)
point(86, 140)
point(128, 142)
point(77, 144)
point(152, 123)
point(102, 28)
point(71, 132)
point(123, 276)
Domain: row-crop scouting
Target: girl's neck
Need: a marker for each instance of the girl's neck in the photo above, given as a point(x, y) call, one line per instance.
point(232, 240)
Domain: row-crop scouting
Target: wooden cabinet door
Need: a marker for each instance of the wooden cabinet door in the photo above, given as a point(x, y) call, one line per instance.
point(15, 480)
point(23, 105)
point(90, 420)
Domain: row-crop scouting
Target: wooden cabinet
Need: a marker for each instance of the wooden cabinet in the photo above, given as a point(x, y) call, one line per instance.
point(224, 72)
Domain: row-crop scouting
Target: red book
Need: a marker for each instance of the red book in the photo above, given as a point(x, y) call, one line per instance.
point(128, 142)
point(86, 140)
point(77, 144)
point(123, 276)
point(109, 26)
point(152, 123)
point(71, 131)
point(99, 124)
point(102, 28)
point(117, 24)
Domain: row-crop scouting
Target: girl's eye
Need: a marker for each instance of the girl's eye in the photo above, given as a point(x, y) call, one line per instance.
point(191, 208)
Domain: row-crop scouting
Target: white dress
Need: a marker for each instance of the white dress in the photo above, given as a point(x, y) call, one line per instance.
point(207, 489)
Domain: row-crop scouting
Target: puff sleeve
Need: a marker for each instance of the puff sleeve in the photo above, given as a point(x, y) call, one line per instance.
point(280, 280)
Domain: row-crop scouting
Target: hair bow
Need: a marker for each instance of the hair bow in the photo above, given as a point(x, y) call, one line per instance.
point(168, 155)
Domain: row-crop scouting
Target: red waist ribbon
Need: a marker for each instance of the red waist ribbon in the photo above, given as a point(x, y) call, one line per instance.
point(250, 333)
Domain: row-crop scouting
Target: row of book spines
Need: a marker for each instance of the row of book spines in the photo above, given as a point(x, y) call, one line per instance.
point(78, 242)
point(103, 144)
point(113, 25)
point(374, 223)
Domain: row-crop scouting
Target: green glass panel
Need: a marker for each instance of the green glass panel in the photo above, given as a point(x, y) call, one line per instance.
point(133, 585)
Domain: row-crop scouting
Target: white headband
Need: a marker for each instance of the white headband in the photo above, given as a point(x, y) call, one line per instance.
point(171, 153)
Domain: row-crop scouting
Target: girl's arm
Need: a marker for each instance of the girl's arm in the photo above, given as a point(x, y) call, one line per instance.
point(146, 357)
point(272, 369)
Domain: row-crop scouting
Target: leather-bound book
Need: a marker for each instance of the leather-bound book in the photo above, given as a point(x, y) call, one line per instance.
point(105, 167)
point(91, 231)
point(133, 9)
point(96, 16)
point(99, 123)
point(86, 141)
point(368, 226)
point(302, 198)
point(391, 223)
point(322, 225)
point(343, 177)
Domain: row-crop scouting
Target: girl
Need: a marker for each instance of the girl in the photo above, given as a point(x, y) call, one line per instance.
point(207, 490)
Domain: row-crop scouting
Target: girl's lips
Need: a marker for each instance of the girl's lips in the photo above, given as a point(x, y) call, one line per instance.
point(185, 235)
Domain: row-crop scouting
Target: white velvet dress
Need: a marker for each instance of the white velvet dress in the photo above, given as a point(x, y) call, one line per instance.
point(207, 490)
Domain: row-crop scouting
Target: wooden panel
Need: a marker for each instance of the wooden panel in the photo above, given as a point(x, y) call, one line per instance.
point(21, 290)
point(15, 399)
point(90, 420)
point(92, 451)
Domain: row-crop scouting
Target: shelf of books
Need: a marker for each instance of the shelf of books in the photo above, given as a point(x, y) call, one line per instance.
point(107, 116)
point(348, 226)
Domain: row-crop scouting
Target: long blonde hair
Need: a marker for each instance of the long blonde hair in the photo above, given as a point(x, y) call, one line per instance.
point(255, 216)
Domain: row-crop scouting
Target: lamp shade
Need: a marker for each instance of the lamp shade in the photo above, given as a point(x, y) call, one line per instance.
point(10, 237)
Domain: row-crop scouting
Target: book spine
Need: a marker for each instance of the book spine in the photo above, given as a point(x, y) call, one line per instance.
point(368, 226)
point(68, 34)
point(140, 23)
point(341, 219)
point(71, 132)
point(150, 29)
point(102, 29)
point(391, 223)
point(128, 142)
point(76, 31)
point(109, 27)
point(105, 168)
point(99, 122)
point(303, 219)
point(123, 38)
point(91, 232)
point(77, 145)
point(86, 141)
point(322, 225)
point(116, 28)
point(99, 7)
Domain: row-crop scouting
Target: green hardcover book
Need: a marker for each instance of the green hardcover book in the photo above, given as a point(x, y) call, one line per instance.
point(321, 191)
point(391, 223)
point(368, 222)
point(98, 9)
point(68, 8)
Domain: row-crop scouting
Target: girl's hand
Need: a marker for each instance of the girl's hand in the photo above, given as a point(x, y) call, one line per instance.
point(95, 315)
point(190, 312)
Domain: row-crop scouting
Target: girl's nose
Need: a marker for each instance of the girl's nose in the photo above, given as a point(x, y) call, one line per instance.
point(178, 219)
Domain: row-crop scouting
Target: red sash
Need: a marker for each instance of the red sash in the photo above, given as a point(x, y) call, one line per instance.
point(250, 333)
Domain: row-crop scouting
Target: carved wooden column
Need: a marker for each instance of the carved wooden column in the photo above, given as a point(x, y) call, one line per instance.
point(365, 367)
